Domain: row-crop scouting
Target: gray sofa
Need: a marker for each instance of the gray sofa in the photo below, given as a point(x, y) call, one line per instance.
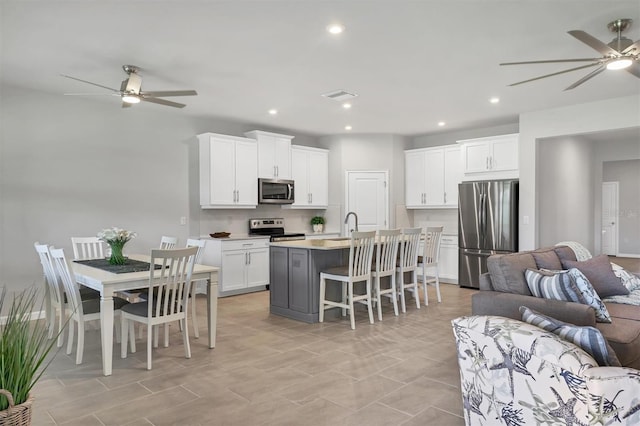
point(504, 289)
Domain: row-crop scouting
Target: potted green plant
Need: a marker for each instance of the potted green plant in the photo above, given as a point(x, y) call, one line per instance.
point(318, 223)
point(24, 347)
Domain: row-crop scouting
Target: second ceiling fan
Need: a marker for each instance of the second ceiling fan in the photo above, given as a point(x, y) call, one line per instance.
point(620, 53)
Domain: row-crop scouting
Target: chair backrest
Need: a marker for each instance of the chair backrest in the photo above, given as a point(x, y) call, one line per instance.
point(409, 242)
point(172, 280)
point(191, 242)
point(50, 276)
point(68, 278)
point(87, 248)
point(168, 242)
point(432, 237)
point(361, 253)
point(387, 250)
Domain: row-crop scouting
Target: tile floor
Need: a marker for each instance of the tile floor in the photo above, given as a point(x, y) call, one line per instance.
point(269, 370)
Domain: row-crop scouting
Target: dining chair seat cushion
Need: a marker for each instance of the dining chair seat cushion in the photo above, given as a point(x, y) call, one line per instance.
point(338, 270)
point(140, 309)
point(92, 306)
point(86, 293)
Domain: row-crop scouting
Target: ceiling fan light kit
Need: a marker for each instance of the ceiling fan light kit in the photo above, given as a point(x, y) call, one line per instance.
point(620, 53)
point(131, 90)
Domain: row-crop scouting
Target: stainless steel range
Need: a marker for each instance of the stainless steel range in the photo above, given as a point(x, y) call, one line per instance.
point(272, 227)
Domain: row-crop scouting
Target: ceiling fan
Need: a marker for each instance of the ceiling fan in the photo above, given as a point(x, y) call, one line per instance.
point(131, 93)
point(620, 53)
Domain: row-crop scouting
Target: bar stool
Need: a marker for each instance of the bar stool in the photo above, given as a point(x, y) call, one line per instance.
point(358, 270)
point(429, 259)
point(386, 258)
point(408, 263)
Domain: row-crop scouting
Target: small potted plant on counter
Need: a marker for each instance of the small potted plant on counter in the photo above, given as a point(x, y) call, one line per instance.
point(318, 224)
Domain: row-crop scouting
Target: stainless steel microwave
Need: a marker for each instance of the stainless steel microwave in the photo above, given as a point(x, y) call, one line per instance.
point(275, 191)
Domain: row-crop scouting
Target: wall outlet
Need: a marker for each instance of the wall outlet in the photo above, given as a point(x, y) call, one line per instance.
point(183, 220)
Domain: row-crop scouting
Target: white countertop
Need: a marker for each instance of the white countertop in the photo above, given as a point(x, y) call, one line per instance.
point(327, 244)
point(236, 237)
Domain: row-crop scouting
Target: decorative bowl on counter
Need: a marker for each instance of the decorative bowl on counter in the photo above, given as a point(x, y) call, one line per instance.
point(220, 234)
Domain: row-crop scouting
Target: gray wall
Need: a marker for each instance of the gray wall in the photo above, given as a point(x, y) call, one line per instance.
point(627, 173)
point(70, 166)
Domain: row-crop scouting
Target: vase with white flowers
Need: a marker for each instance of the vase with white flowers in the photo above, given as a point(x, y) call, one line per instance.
point(116, 238)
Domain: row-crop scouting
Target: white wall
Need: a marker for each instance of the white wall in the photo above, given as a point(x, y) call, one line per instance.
point(565, 187)
point(610, 114)
point(70, 166)
point(627, 174)
point(364, 152)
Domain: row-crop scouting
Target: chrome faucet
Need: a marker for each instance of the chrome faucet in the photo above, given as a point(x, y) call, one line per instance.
point(346, 219)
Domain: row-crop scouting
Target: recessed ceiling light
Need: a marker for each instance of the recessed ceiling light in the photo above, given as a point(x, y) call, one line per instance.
point(335, 28)
point(441, 123)
point(346, 105)
point(347, 127)
point(273, 111)
point(130, 99)
point(619, 63)
point(494, 100)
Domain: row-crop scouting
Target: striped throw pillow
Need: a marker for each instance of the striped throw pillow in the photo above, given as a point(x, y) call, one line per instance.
point(589, 339)
point(553, 285)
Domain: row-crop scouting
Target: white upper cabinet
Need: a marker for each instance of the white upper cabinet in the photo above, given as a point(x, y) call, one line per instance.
point(274, 154)
point(228, 171)
point(310, 172)
point(493, 157)
point(432, 176)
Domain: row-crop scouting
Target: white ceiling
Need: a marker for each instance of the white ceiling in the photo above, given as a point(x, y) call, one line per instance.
point(413, 63)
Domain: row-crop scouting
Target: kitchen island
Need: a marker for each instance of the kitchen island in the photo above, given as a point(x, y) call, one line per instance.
point(295, 268)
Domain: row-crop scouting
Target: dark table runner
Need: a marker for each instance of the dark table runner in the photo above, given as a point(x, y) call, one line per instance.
point(130, 265)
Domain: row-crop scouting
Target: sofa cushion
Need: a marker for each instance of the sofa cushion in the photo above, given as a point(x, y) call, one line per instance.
point(547, 259)
point(589, 294)
point(590, 339)
point(549, 285)
point(507, 271)
point(624, 337)
point(564, 253)
point(598, 271)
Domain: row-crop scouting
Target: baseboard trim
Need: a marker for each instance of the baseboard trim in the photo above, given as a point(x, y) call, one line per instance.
point(34, 316)
point(635, 256)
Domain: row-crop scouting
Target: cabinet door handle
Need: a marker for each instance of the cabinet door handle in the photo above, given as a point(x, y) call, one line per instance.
point(491, 162)
point(277, 170)
point(445, 198)
point(487, 163)
point(249, 258)
point(311, 195)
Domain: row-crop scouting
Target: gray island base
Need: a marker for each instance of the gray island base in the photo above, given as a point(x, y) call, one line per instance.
point(295, 268)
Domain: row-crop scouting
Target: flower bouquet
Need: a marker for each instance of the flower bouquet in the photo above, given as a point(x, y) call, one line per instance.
point(116, 238)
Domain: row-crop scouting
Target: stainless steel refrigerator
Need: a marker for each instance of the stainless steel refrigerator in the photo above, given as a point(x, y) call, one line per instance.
point(487, 224)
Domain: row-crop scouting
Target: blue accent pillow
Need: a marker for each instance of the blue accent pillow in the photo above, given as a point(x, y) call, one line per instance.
point(589, 339)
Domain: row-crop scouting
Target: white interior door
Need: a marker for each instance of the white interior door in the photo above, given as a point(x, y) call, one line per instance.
point(610, 218)
point(367, 195)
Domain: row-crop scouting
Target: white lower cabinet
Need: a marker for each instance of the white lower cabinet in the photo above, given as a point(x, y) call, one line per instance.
point(448, 263)
point(244, 264)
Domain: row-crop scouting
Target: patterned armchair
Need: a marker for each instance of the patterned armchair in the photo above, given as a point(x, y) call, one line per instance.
point(513, 373)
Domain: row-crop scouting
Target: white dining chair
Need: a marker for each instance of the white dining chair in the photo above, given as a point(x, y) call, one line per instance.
point(408, 265)
point(87, 248)
point(54, 292)
point(358, 270)
point(168, 242)
point(385, 266)
point(168, 303)
point(80, 311)
point(191, 242)
point(429, 261)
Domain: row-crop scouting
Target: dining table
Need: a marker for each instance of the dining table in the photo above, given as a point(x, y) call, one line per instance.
point(108, 283)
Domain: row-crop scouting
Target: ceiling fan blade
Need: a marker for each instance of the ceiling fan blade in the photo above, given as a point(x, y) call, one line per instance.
point(88, 82)
point(587, 77)
point(91, 94)
point(165, 93)
point(635, 46)
point(593, 42)
point(555, 73)
point(162, 102)
point(552, 61)
point(634, 69)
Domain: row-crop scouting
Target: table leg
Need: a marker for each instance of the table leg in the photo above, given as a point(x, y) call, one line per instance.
point(212, 308)
point(106, 330)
